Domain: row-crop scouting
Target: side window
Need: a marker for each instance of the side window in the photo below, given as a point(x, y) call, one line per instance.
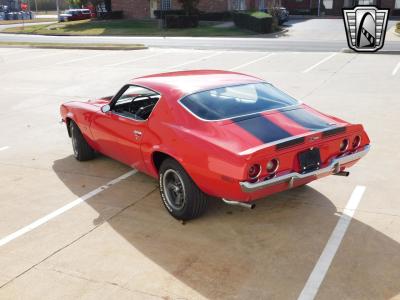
point(136, 102)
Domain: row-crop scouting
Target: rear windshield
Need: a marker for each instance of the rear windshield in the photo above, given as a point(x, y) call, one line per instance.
point(235, 101)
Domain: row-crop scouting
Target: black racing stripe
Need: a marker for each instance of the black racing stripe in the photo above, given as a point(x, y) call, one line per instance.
point(290, 143)
point(262, 128)
point(333, 131)
point(306, 119)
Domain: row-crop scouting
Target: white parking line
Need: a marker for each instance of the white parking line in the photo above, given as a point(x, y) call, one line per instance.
point(4, 148)
point(62, 210)
point(194, 60)
point(36, 57)
point(320, 62)
point(396, 68)
point(136, 59)
point(251, 62)
point(81, 58)
point(318, 274)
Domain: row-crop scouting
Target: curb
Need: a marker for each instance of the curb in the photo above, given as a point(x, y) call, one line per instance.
point(77, 47)
point(395, 52)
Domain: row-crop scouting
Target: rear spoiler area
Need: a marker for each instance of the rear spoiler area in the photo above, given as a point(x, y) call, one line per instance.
point(311, 136)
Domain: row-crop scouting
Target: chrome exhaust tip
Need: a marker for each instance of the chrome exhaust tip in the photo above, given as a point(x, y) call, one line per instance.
point(342, 173)
point(242, 204)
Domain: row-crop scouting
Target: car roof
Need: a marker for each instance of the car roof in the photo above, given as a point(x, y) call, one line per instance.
point(183, 83)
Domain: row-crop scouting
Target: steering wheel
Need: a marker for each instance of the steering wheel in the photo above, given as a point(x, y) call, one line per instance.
point(144, 111)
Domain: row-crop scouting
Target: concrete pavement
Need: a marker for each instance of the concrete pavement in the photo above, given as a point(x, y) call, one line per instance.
point(121, 243)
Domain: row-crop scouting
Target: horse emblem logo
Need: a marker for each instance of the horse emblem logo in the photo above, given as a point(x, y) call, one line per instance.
point(365, 27)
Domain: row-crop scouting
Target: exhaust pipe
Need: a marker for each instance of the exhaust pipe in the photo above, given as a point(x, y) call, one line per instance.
point(237, 203)
point(342, 173)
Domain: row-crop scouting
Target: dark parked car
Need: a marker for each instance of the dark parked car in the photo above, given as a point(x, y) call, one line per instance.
point(282, 14)
point(75, 14)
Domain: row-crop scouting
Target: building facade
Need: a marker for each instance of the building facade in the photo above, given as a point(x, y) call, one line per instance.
point(334, 7)
point(145, 8)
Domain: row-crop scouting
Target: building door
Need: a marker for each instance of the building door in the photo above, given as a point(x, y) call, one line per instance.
point(153, 7)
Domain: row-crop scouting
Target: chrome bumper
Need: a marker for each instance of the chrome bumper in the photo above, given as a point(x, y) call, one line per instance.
point(333, 168)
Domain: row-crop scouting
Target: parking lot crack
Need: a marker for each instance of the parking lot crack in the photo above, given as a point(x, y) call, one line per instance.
point(112, 283)
point(34, 266)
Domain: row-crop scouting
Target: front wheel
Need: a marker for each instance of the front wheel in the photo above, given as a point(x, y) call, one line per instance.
point(180, 195)
point(82, 150)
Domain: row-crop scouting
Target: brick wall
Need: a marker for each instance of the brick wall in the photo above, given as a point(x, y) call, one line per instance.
point(213, 5)
point(141, 8)
point(132, 8)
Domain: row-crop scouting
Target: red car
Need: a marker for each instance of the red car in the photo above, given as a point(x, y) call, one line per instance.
point(213, 134)
point(75, 15)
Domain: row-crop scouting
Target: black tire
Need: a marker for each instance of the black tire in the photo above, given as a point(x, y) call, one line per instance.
point(82, 150)
point(180, 195)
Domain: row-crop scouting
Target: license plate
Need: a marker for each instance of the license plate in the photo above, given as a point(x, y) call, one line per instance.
point(310, 160)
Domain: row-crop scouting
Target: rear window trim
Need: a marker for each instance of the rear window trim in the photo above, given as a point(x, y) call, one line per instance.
point(299, 102)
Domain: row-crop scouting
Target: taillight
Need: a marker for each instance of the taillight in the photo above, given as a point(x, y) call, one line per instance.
point(356, 141)
point(272, 165)
point(254, 171)
point(344, 145)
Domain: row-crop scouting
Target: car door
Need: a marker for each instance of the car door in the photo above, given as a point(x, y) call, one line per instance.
point(129, 138)
point(119, 132)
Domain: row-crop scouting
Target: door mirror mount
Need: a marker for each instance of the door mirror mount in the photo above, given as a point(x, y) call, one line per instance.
point(106, 108)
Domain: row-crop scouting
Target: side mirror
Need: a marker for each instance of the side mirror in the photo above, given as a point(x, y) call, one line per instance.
point(106, 108)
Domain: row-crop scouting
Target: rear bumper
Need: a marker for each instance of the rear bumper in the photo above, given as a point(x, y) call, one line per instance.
point(333, 167)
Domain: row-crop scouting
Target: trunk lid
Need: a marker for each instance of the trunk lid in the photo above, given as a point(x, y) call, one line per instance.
point(282, 129)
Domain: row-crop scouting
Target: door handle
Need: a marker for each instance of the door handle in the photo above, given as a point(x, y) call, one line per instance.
point(137, 133)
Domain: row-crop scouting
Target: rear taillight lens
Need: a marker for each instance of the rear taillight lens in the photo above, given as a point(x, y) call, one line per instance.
point(254, 171)
point(272, 165)
point(356, 142)
point(344, 145)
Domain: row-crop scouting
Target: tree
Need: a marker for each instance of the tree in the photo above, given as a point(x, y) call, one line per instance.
point(77, 3)
point(189, 6)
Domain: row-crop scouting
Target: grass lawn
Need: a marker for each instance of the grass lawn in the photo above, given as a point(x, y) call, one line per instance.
point(125, 27)
point(8, 22)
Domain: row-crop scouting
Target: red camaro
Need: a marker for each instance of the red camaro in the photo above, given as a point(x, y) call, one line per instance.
point(213, 133)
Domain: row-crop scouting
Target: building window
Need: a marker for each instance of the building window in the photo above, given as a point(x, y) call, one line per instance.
point(328, 4)
point(397, 4)
point(238, 4)
point(165, 4)
point(261, 5)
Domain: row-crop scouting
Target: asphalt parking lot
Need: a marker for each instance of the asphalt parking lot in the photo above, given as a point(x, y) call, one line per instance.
point(60, 241)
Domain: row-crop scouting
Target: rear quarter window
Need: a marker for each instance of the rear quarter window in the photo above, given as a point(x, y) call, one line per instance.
point(234, 101)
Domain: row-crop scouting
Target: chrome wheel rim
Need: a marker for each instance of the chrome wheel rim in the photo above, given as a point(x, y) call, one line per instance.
point(174, 189)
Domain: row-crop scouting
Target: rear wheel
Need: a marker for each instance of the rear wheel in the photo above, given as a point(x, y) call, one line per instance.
point(180, 195)
point(82, 150)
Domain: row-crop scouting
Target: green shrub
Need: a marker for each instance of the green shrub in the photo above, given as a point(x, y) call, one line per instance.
point(160, 14)
point(177, 21)
point(260, 15)
point(215, 16)
point(257, 21)
point(110, 15)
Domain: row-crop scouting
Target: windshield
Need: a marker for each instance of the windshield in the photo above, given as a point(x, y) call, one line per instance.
point(235, 101)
